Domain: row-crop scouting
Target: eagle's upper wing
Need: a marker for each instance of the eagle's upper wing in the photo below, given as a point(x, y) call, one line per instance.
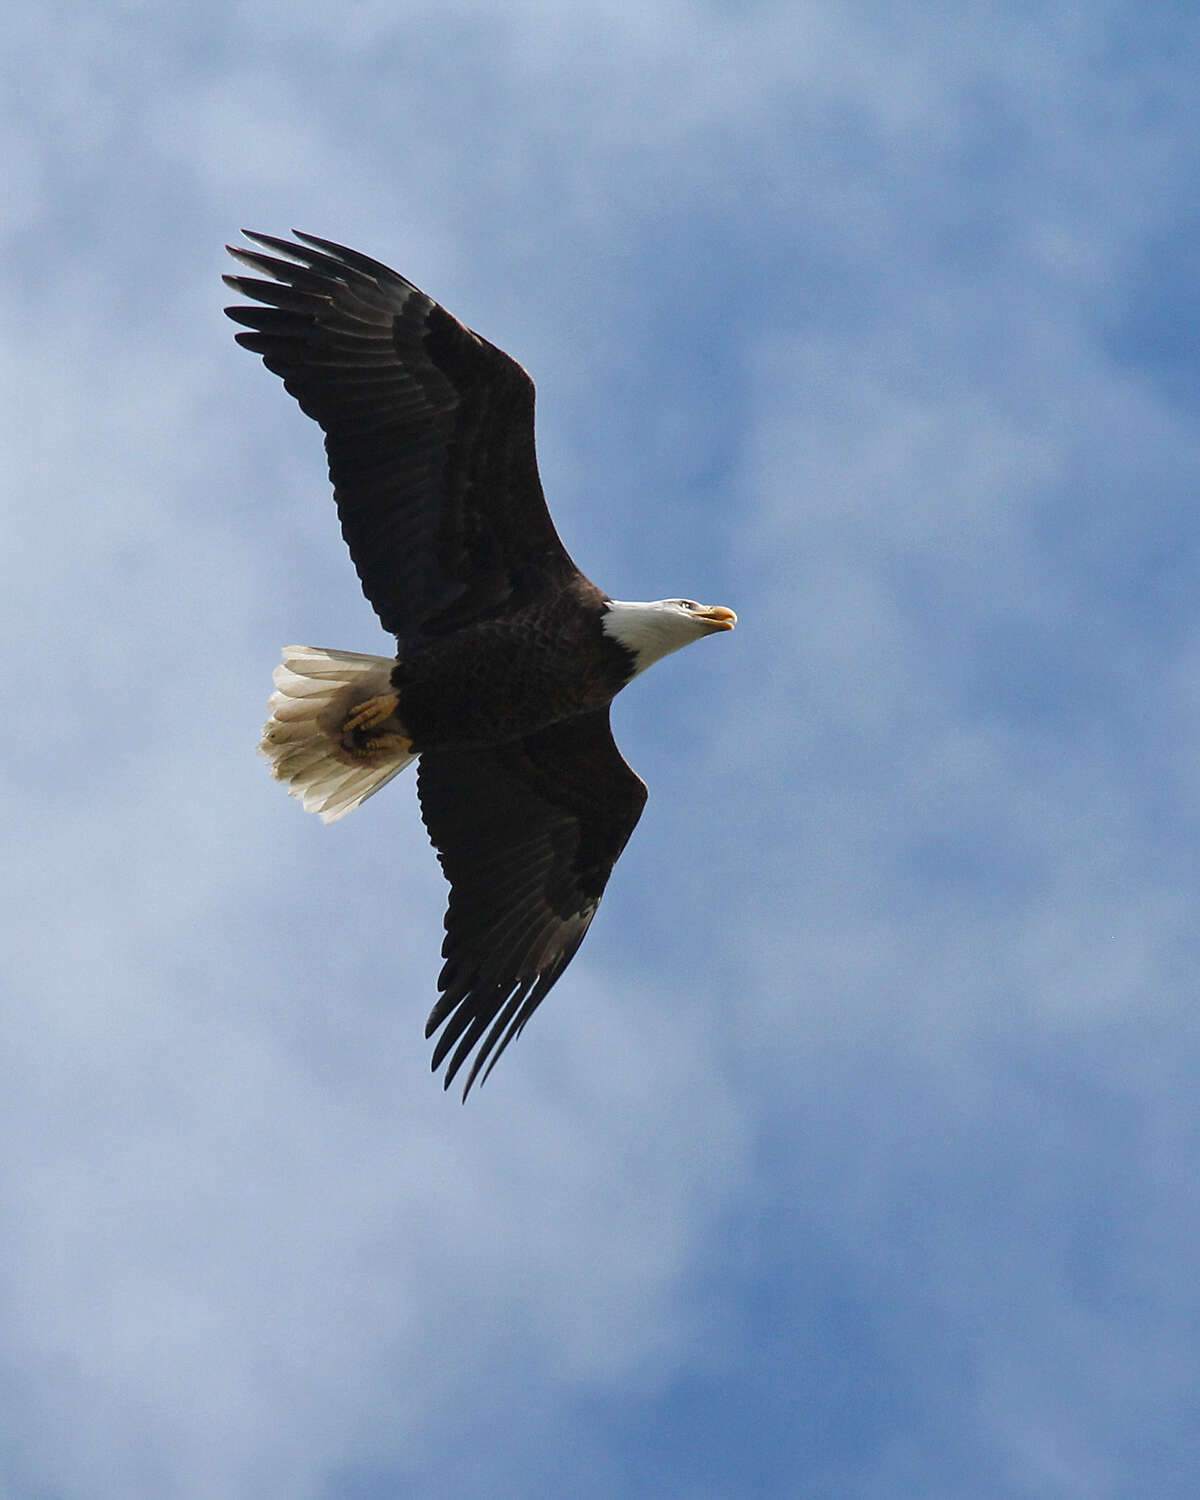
point(428, 428)
point(527, 834)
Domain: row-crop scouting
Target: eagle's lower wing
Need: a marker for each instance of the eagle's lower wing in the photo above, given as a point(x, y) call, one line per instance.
point(428, 428)
point(527, 834)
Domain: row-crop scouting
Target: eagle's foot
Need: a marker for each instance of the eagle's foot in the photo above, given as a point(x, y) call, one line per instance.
point(364, 733)
point(367, 746)
point(372, 711)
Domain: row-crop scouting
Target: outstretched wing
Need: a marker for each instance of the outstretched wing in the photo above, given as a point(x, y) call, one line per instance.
point(527, 834)
point(428, 428)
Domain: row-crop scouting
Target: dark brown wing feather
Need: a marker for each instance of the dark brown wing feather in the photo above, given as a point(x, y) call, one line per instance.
point(527, 834)
point(428, 428)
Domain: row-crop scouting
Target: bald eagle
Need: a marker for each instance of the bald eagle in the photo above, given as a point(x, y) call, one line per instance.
point(507, 656)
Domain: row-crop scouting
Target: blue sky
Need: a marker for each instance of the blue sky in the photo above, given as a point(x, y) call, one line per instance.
point(855, 1155)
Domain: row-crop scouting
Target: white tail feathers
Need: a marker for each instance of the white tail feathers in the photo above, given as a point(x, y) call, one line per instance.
point(314, 691)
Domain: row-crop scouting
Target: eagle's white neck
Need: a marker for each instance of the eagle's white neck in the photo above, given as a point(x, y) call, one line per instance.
point(650, 631)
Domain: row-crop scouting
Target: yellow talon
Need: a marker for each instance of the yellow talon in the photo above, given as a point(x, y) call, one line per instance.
point(356, 735)
point(381, 744)
point(371, 711)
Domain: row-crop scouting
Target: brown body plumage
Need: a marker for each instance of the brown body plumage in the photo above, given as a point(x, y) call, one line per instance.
point(504, 678)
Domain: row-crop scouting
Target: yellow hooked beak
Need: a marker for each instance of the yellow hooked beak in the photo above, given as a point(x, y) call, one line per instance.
point(718, 617)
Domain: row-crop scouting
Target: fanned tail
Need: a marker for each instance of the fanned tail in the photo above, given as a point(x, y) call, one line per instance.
point(304, 738)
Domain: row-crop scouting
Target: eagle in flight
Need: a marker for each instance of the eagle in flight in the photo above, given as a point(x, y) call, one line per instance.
point(507, 657)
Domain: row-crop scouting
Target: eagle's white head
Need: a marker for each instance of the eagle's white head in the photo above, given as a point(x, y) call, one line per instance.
point(653, 630)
